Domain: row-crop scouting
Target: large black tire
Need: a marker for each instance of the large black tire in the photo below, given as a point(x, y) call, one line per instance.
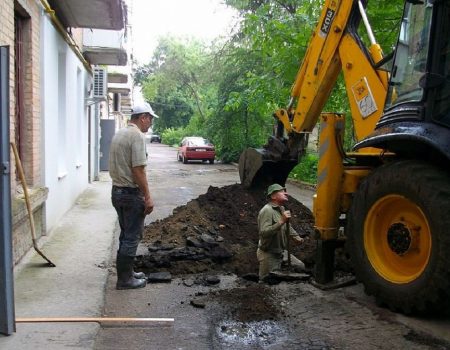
point(398, 233)
point(185, 160)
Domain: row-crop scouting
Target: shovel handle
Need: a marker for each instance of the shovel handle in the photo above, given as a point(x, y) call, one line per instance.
point(288, 243)
point(28, 203)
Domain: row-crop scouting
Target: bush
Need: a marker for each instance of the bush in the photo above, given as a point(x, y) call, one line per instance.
point(306, 170)
point(173, 136)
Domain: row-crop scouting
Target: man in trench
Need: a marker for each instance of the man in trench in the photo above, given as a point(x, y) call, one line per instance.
point(273, 224)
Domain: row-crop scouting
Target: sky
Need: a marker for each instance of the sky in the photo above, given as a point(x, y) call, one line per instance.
point(150, 19)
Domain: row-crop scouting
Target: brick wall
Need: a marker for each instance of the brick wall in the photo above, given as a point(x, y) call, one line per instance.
point(29, 10)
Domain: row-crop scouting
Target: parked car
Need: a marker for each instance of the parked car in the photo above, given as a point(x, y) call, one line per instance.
point(155, 138)
point(196, 148)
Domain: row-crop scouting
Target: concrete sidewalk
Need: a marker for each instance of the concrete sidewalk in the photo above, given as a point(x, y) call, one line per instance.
point(80, 247)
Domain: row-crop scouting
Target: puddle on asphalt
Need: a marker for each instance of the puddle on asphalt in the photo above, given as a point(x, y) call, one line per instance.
point(234, 333)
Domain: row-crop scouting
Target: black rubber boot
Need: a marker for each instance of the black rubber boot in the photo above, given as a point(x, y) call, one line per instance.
point(125, 276)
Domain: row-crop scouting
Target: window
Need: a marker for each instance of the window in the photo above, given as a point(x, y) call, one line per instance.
point(410, 61)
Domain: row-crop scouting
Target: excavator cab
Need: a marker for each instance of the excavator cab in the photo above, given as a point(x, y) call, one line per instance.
point(416, 114)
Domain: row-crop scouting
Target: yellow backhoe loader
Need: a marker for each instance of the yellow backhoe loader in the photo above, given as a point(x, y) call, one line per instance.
point(390, 197)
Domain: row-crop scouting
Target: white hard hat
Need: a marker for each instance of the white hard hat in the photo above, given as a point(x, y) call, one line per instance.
point(143, 108)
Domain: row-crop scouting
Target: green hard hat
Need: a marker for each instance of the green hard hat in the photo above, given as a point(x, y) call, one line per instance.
point(274, 188)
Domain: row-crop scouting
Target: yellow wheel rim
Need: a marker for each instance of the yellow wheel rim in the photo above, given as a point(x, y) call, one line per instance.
point(397, 239)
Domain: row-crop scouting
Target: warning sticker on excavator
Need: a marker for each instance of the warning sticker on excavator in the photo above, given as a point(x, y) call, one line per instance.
point(364, 98)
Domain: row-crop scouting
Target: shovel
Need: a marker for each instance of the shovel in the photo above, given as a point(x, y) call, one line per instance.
point(286, 235)
point(288, 244)
point(278, 276)
point(27, 201)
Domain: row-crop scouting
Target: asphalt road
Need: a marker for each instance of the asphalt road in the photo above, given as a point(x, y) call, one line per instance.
point(339, 319)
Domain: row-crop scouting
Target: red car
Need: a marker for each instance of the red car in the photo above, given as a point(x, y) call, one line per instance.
point(196, 148)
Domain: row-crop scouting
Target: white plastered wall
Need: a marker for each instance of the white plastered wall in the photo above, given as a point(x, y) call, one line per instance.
point(65, 82)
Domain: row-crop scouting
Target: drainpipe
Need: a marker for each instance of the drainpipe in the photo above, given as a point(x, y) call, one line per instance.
point(67, 38)
point(96, 142)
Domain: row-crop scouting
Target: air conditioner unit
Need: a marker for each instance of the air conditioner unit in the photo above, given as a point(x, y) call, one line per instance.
point(100, 83)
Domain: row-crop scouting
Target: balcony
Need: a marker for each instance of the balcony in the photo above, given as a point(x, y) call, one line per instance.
point(99, 14)
point(104, 47)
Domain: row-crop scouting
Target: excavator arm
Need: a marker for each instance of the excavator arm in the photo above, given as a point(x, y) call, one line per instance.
point(334, 47)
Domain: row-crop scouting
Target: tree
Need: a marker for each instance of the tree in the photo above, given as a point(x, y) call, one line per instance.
point(229, 91)
point(177, 81)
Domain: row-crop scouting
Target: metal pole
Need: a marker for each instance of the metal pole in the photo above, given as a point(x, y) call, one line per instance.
point(366, 23)
point(7, 323)
point(93, 319)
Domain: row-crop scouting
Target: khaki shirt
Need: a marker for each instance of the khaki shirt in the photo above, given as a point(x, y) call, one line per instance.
point(272, 234)
point(127, 151)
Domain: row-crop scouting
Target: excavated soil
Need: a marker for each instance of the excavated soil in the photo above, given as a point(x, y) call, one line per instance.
point(217, 233)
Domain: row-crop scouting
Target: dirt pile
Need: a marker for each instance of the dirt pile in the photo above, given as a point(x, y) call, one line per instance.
point(218, 232)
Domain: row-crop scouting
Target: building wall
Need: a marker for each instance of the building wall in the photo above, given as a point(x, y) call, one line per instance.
point(55, 127)
point(65, 123)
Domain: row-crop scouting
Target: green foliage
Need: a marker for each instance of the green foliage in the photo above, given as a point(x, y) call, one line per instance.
point(306, 170)
point(178, 83)
point(173, 136)
point(228, 91)
point(385, 18)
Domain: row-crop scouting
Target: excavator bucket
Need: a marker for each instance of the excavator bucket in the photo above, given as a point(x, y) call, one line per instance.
point(258, 170)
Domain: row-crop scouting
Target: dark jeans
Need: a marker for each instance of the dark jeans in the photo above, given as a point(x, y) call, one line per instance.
point(130, 206)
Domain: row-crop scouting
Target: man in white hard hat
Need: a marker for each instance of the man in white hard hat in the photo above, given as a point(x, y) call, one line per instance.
point(130, 193)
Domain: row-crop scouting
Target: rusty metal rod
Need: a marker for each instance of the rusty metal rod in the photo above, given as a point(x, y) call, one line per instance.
point(90, 319)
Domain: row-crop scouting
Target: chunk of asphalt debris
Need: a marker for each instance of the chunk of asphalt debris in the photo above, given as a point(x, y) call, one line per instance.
point(158, 277)
point(213, 231)
point(167, 246)
point(157, 247)
point(193, 242)
point(197, 229)
point(152, 248)
point(188, 283)
point(253, 277)
point(197, 303)
point(289, 276)
point(219, 254)
point(212, 280)
point(208, 239)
